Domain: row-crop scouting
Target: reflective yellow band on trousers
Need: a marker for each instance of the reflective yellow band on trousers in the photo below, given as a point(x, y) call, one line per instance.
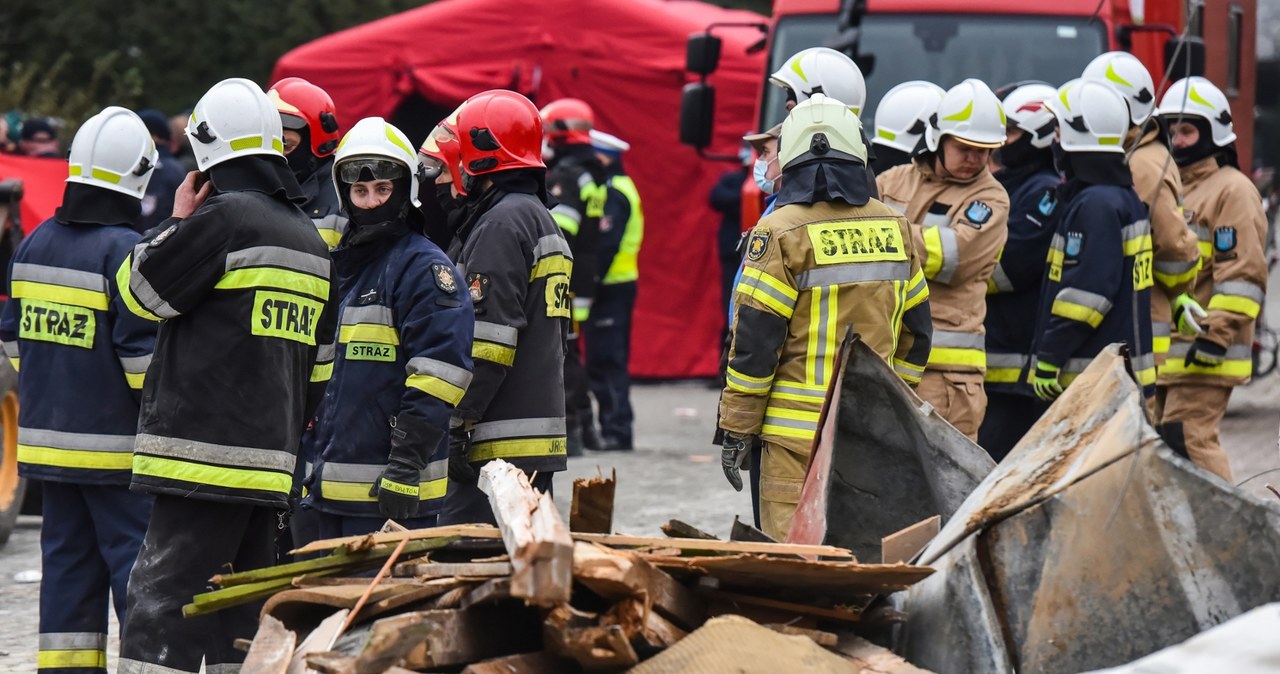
point(80, 659)
point(517, 447)
point(74, 458)
point(214, 476)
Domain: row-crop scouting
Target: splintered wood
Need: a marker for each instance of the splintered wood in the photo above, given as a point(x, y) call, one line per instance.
point(591, 510)
point(536, 538)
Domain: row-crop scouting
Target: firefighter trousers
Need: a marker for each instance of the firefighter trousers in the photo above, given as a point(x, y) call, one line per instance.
point(958, 397)
point(1200, 408)
point(89, 541)
point(579, 418)
point(464, 503)
point(781, 477)
point(608, 353)
point(189, 541)
point(1008, 417)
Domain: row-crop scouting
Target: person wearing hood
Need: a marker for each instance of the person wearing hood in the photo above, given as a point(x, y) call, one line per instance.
point(516, 265)
point(81, 358)
point(311, 137)
point(1097, 288)
point(1225, 211)
point(959, 215)
point(382, 437)
point(242, 285)
point(1013, 293)
point(829, 258)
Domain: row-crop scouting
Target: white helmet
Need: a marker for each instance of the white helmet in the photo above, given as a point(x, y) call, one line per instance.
point(971, 113)
point(1126, 74)
point(373, 139)
point(820, 70)
point(113, 150)
point(1027, 108)
point(1199, 97)
point(1092, 117)
point(234, 119)
point(903, 114)
point(821, 128)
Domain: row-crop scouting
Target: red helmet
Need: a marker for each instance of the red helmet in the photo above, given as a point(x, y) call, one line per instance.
point(568, 121)
point(304, 105)
point(500, 131)
point(443, 149)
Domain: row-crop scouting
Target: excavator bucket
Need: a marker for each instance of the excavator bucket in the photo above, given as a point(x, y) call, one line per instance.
point(1092, 544)
point(883, 460)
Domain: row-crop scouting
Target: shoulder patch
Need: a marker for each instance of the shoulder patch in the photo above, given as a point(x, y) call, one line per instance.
point(477, 287)
point(163, 236)
point(978, 213)
point(758, 244)
point(1074, 245)
point(444, 277)
point(1224, 239)
point(1048, 202)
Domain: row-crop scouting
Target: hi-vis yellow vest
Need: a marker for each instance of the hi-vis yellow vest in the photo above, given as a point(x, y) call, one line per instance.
point(625, 266)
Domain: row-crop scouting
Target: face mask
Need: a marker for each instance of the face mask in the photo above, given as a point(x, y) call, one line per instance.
point(765, 184)
point(444, 197)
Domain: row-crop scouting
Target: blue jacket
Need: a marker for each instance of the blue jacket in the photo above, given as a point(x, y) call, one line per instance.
point(1098, 287)
point(403, 362)
point(1013, 291)
point(81, 355)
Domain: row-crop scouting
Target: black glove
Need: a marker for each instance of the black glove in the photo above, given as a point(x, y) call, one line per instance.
point(1205, 354)
point(397, 490)
point(460, 468)
point(735, 457)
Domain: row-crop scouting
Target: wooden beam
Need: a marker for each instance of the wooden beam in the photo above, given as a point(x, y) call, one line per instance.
point(699, 545)
point(904, 545)
point(428, 570)
point(492, 592)
point(271, 650)
point(461, 637)
point(591, 509)
point(356, 543)
point(535, 537)
point(619, 574)
point(678, 529)
point(391, 641)
point(790, 607)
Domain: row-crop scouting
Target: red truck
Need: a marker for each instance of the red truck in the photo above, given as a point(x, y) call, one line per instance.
point(997, 41)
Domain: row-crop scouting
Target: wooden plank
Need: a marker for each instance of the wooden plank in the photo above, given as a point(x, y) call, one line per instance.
point(271, 650)
point(429, 570)
point(461, 637)
point(791, 607)
point(701, 545)
point(678, 529)
point(492, 592)
point(591, 509)
point(841, 581)
point(410, 596)
point(320, 640)
point(535, 537)
point(618, 574)
point(355, 543)
point(525, 663)
point(573, 635)
point(328, 565)
point(390, 642)
point(645, 629)
point(904, 545)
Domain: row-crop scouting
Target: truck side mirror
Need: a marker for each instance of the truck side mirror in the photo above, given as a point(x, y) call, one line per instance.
point(702, 53)
point(1189, 60)
point(697, 112)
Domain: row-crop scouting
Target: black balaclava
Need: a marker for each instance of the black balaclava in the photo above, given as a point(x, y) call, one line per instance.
point(301, 161)
point(1022, 153)
point(889, 157)
point(1203, 148)
point(1095, 168)
point(394, 208)
point(268, 174)
point(90, 205)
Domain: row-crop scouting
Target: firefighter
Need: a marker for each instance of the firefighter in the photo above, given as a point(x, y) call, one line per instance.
point(1225, 211)
point(382, 435)
point(81, 359)
point(1097, 290)
point(1156, 180)
point(609, 327)
point(901, 119)
point(516, 265)
point(829, 258)
point(576, 179)
point(441, 151)
point(1013, 292)
point(242, 285)
point(311, 136)
point(959, 214)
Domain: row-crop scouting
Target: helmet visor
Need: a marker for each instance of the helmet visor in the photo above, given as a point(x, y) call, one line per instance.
point(358, 170)
point(431, 166)
point(292, 122)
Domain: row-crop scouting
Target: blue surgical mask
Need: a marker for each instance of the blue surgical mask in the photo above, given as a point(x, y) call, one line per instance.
point(765, 184)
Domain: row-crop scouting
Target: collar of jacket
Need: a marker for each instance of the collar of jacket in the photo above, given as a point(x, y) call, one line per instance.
point(1100, 168)
point(924, 164)
point(269, 175)
point(1138, 136)
point(364, 243)
point(88, 205)
point(1199, 171)
point(1012, 177)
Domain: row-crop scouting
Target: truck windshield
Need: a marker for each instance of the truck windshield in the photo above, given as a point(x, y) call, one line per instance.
point(945, 49)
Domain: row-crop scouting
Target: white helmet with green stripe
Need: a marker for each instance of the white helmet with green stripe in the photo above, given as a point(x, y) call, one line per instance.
point(821, 70)
point(234, 119)
point(971, 113)
point(1123, 72)
point(375, 145)
point(113, 150)
point(1198, 97)
point(1092, 117)
point(903, 114)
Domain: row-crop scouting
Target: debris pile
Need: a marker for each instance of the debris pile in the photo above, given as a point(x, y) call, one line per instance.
point(530, 596)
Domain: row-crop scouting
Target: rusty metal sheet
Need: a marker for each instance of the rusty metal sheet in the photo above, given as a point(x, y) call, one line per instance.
point(884, 460)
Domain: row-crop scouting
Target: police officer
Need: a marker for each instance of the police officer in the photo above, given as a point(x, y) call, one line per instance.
point(576, 179)
point(516, 266)
point(1013, 292)
point(829, 258)
point(1156, 180)
point(310, 126)
point(1098, 286)
point(81, 359)
point(242, 285)
point(959, 215)
point(382, 436)
point(1226, 213)
point(901, 119)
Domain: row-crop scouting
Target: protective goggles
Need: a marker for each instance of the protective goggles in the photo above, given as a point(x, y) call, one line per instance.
point(358, 170)
point(431, 166)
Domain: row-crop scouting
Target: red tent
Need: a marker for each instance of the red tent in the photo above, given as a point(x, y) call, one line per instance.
point(625, 58)
point(42, 183)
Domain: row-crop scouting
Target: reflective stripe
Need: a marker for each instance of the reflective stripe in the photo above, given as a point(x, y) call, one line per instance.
point(16, 364)
point(123, 279)
point(788, 423)
point(909, 372)
point(581, 304)
point(918, 291)
point(148, 300)
point(76, 297)
point(551, 244)
point(214, 476)
point(67, 659)
point(1080, 305)
point(276, 256)
point(59, 276)
point(527, 447)
point(942, 254)
point(518, 428)
point(1006, 368)
point(551, 266)
point(856, 272)
point(73, 641)
point(1241, 288)
point(936, 220)
point(495, 353)
point(567, 218)
point(1241, 297)
point(353, 481)
point(1175, 272)
point(746, 383)
point(437, 387)
point(1238, 362)
point(250, 278)
point(958, 340)
point(624, 267)
point(823, 311)
point(135, 370)
point(207, 452)
point(321, 372)
point(373, 313)
point(797, 392)
point(1160, 332)
point(496, 333)
point(89, 451)
point(326, 352)
point(773, 292)
point(11, 349)
point(331, 228)
point(957, 349)
point(1136, 237)
point(364, 332)
point(1000, 281)
point(457, 376)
